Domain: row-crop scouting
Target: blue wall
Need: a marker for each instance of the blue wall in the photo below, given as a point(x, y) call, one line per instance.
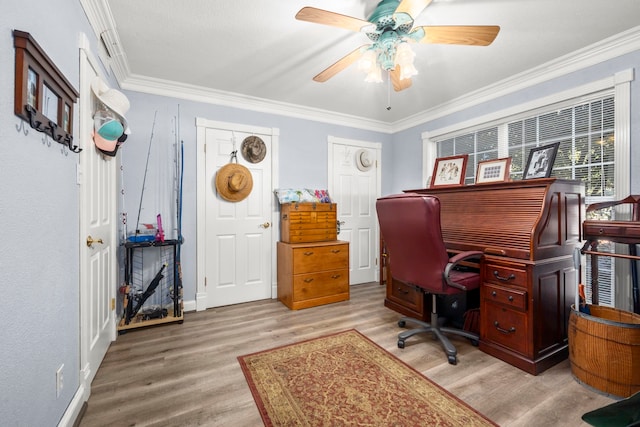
point(39, 254)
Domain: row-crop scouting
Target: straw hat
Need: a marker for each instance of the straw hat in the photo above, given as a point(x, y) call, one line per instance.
point(234, 182)
point(363, 160)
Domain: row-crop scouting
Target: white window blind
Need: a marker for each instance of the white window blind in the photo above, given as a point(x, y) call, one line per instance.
point(479, 145)
point(586, 134)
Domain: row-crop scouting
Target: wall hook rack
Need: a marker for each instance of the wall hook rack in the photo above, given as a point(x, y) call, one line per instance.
point(43, 97)
point(37, 120)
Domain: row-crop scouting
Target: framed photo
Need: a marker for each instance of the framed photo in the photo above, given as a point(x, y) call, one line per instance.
point(449, 171)
point(495, 170)
point(540, 161)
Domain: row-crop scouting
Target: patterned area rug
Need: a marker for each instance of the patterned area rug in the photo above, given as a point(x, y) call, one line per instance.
point(346, 379)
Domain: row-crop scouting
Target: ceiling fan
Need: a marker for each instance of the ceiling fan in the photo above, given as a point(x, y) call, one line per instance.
point(390, 29)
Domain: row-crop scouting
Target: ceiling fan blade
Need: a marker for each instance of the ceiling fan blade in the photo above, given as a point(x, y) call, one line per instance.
point(476, 35)
point(320, 16)
point(398, 84)
point(339, 65)
point(412, 7)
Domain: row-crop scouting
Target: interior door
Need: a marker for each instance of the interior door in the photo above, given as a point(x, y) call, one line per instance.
point(238, 247)
point(98, 216)
point(355, 191)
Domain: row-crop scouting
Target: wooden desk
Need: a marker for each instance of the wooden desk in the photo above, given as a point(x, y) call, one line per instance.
point(528, 231)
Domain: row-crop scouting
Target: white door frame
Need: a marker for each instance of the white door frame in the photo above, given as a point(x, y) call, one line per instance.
point(86, 372)
point(201, 187)
point(377, 147)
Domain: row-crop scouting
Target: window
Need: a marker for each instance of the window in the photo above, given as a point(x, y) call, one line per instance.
point(480, 145)
point(585, 127)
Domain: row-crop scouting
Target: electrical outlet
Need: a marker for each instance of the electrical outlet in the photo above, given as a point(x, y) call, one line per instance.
point(59, 381)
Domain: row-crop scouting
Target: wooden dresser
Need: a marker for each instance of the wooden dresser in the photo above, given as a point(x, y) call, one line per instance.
point(312, 274)
point(528, 231)
point(308, 222)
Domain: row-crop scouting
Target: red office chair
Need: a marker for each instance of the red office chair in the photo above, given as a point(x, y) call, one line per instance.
point(410, 227)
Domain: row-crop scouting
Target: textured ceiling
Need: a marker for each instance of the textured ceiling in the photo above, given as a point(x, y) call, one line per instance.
point(257, 49)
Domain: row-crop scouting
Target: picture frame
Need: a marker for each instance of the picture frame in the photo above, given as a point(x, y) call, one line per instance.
point(494, 170)
point(449, 171)
point(540, 161)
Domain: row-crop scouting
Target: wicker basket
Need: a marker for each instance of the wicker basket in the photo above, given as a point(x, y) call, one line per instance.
point(604, 349)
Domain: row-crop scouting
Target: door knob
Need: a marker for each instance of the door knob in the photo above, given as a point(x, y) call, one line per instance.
point(91, 241)
point(265, 225)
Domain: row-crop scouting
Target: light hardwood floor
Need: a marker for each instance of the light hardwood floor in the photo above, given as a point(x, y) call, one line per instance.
point(188, 374)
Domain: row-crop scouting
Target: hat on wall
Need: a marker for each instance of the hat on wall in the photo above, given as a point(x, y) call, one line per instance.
point(113, 99)
point(234, 182)
point(363, 160)
point(253, 149)
point(107, 131)
point(103, 144)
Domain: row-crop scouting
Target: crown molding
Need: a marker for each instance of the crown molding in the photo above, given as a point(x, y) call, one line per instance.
point(613, 47)
point(211, 96)
point(110, 51)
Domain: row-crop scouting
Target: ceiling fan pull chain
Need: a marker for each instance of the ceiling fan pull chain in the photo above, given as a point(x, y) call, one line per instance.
point(389, 91)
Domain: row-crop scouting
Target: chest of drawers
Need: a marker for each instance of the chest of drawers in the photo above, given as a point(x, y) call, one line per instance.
point(312, 274)
point(308, 222)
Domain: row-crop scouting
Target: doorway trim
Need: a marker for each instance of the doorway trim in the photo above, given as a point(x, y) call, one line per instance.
point(377, 147)
point(202, 125)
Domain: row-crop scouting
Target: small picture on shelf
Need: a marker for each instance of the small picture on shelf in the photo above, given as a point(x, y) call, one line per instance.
point(495, 170)
point(449, 170)
point(540, 161)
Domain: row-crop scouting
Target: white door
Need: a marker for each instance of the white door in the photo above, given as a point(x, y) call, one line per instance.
point(238, 239)
point(98, 216)
point(355, 191)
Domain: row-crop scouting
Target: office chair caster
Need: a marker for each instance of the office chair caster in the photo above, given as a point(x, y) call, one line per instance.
point(400, 343)
point(402, 323)
point(452, 360)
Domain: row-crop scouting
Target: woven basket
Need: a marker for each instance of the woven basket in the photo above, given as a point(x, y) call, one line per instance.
point(604, 349)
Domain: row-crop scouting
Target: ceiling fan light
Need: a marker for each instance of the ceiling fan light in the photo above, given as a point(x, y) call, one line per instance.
point(407, 71)
point(404, 58)
point(367, 61)
point(374, 75)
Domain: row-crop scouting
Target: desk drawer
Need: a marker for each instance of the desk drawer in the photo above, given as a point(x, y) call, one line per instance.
point(315, 285)
point(504, 326)
point(611, 229)
point(405, 294)
point(505, 275)
point(512, 297)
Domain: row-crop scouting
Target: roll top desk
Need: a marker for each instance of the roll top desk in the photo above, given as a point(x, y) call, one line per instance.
point(528, 231)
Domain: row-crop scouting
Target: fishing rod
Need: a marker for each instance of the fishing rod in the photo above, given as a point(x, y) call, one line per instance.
point(146, 167)
point(179, 181)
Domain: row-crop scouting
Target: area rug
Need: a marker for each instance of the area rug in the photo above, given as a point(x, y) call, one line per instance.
point(345, 379)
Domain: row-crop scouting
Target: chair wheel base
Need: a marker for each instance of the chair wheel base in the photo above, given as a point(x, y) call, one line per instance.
point(452, 360)
point(402, 323)
point(474, 343)
point(400, 343)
